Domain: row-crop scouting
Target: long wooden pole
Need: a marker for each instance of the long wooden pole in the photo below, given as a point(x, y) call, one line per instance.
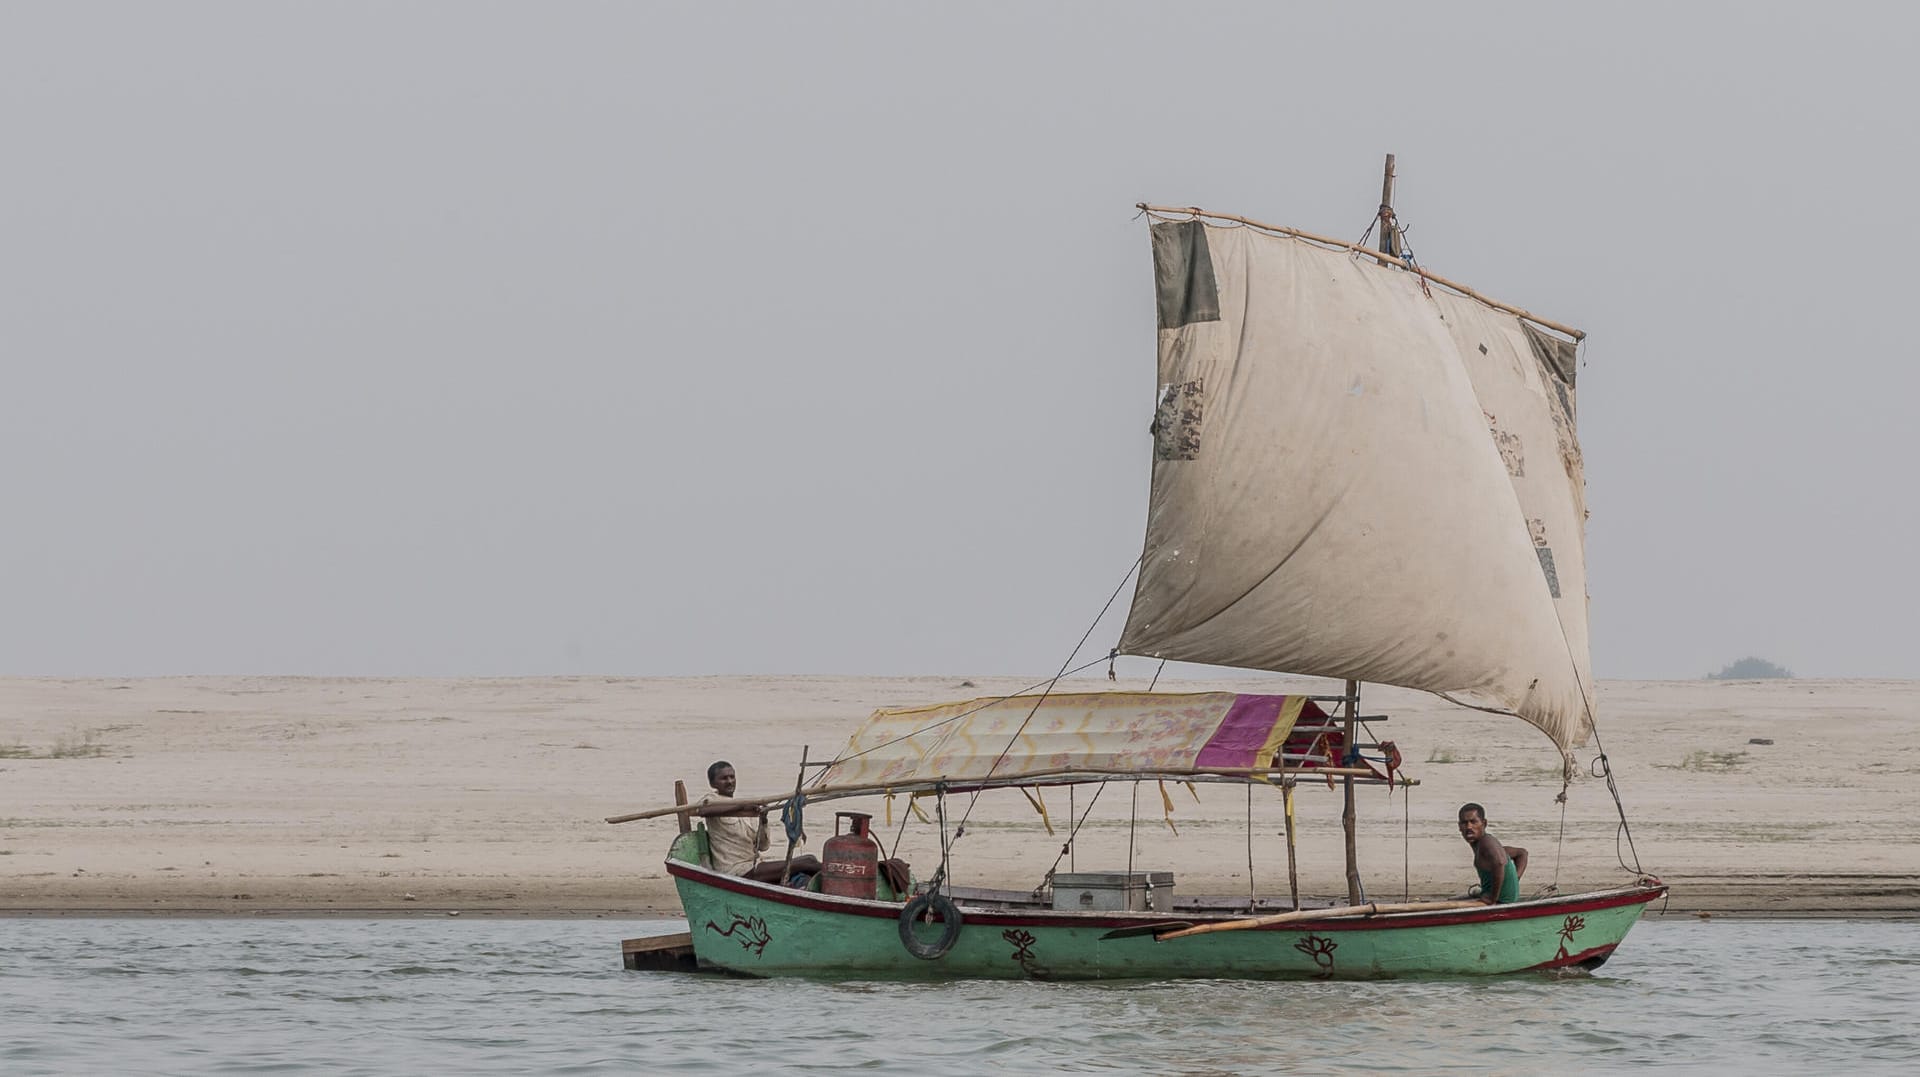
point(1369, 909)
point(1383, 259)
point(1211, 774)
point(1347, 813)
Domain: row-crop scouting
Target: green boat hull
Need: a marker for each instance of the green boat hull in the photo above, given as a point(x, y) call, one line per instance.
point(756, 929)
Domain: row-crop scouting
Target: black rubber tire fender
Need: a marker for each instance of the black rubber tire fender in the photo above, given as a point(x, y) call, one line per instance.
point(949, 916)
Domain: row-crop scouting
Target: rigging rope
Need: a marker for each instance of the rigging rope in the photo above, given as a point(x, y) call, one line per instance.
point(1067, 845)
point(1605, 769)
point(1560, 846)
point(975, 710)
point(961, 831)
point(946, 847)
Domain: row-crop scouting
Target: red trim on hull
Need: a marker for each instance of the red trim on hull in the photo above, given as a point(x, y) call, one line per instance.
point(890, 911)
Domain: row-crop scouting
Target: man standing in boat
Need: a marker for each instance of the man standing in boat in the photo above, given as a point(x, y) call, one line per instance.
point(737, 833)
point(1500, 866)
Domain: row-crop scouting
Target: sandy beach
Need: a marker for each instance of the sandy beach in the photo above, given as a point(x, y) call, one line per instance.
point(301, 795)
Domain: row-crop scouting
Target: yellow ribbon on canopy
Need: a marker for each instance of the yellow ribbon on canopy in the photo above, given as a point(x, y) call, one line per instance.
point(1040, 805)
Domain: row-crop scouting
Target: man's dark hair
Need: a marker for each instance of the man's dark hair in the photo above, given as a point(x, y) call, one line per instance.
point(1476, 809)
point(713, 771)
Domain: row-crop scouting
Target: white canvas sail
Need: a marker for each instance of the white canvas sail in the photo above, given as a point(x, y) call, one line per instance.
point(1355, 478)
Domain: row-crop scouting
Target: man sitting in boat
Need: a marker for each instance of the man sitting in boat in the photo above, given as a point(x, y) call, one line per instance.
point(1500, 866)
point(737, 834)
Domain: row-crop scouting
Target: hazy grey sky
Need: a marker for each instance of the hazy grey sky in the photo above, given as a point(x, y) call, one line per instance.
point(473, 338)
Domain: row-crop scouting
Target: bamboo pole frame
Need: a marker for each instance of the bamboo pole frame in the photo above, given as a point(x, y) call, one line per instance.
point(1383, 259)
point(1040, 777)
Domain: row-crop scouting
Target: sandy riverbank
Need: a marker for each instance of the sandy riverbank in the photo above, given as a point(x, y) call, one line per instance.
point(281, 795)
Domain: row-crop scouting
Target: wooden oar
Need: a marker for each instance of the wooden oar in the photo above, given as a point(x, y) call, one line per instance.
point(1145, 929)
point(1369, 909)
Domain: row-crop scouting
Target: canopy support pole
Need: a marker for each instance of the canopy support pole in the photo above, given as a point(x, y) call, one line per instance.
point(786, 872)
point(1293, 861)
point(1346, 815)
point(1133, 817)
point(1253, 892)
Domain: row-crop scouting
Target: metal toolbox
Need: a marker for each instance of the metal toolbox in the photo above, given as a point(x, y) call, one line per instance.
point(1113, 891)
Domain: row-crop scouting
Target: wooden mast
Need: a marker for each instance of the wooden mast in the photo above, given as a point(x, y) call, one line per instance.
point(1346, 815)
point(1389, 227)
point(1390, 246)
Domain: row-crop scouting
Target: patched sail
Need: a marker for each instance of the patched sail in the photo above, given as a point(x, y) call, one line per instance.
point(1357, 475)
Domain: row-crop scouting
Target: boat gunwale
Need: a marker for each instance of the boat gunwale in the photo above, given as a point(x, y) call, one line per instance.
point(1520, 910)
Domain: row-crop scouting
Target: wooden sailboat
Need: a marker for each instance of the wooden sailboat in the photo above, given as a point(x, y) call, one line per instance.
point(1362, 471)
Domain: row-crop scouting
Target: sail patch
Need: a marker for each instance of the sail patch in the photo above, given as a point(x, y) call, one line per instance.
point(1176, 421)
point(1512, 453)
point(1183, 274)
point(1538, 528)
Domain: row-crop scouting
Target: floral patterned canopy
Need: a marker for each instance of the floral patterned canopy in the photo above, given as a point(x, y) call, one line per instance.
point(1060, 736)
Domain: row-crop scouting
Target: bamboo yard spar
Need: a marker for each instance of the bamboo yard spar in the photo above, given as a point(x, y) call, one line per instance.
point(1361, 470)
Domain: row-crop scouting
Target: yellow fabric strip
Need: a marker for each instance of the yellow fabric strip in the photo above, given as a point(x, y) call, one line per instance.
point(1040, 805)
point(1167, 802)
point(1282, 729)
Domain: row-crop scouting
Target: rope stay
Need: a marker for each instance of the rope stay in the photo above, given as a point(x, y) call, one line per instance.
point(961, 832)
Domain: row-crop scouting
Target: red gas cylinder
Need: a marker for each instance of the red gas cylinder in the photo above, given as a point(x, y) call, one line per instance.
point(850, 864)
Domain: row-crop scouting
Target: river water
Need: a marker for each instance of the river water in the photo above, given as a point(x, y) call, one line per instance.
point(549, 996)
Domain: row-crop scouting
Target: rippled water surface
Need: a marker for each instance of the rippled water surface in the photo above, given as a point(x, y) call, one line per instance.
point(387, 996)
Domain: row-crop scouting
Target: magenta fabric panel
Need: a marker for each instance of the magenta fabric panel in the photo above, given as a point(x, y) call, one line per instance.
point(1242, 733)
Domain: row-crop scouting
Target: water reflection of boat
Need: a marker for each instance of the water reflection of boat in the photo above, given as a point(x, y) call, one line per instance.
point(1361, 471)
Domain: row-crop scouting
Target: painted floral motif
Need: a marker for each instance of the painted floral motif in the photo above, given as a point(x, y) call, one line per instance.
point(1572, 924)
point(1127, 732)
point(1321, 950)
point(1023, 953)
point(753, 932)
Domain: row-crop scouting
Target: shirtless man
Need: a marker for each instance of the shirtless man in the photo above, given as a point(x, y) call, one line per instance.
point(1500, 866)
point(737, 833)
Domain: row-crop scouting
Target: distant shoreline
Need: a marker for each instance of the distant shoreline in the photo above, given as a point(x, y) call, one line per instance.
point(290, 797)
point(1854, 897)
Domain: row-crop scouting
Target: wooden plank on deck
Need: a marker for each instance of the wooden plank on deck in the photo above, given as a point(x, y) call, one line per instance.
point(659, 953)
